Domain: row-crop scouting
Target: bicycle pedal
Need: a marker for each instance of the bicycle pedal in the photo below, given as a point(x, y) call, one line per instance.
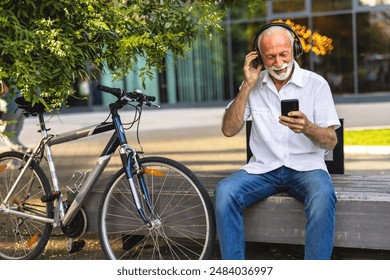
point(50, 196)
point(75, 246)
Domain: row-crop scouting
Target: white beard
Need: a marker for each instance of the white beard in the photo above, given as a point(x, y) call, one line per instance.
point(282, 76)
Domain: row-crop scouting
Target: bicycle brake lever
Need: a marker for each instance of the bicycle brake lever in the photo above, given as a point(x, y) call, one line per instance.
point(150, 104)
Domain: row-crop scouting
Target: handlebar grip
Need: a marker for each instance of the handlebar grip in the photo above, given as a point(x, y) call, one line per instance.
point(137, 93)
point(115, 91)
point(151, 98)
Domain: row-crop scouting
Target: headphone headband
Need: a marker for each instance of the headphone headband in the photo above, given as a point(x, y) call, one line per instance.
point(297, 45)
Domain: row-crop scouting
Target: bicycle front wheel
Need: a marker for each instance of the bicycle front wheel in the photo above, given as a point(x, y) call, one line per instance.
point(23, 237)
point(185, 227)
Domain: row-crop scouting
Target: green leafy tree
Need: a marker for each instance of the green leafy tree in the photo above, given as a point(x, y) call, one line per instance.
point(46, 44)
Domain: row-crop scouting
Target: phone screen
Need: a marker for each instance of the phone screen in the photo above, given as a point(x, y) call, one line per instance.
point(289, 105)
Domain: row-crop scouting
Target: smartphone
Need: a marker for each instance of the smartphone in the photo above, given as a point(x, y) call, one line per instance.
point(289, 105)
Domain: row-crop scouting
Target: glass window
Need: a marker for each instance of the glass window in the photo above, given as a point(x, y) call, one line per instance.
point(287, 6)
point(373, 43)
point(337, 66)
point(330, 5)
point(374, 2)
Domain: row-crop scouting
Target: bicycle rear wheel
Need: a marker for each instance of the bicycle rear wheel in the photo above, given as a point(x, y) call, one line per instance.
point(186, 228)
point(21, 237)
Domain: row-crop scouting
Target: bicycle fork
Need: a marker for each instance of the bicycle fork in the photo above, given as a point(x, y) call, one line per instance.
point(131, 166)
point(129, 160)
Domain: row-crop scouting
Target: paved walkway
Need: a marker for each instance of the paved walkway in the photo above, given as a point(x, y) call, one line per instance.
point(187, 120)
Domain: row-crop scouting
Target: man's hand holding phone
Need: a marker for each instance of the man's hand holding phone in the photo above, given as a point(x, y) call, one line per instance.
point(291, 116)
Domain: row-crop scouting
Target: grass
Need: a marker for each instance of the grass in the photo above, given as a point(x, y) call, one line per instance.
point(377, 137)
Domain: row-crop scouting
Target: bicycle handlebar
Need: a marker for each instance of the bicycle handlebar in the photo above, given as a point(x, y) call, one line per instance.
point(115, 91)
point(136, 95)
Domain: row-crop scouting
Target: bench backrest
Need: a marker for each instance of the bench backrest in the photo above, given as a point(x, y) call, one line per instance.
point(334, 159)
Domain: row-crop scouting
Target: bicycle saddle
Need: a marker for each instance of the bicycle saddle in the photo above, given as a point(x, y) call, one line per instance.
point(27, 106)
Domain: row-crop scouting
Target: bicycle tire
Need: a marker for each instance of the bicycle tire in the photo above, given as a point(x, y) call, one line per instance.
point(182, 203)
point(23, 238)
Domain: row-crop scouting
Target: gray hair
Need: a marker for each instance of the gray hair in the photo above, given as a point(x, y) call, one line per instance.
point(274, 29)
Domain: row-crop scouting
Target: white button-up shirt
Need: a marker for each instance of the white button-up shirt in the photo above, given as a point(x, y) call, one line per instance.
point(274, 145)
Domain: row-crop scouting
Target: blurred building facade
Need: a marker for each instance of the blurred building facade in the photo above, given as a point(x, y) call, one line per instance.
point(357, 69)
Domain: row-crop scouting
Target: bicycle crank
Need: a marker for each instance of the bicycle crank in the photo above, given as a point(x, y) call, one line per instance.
point(78, 226)
point(75, 246)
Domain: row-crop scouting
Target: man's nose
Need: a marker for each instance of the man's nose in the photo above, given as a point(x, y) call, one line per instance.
point(278, 61)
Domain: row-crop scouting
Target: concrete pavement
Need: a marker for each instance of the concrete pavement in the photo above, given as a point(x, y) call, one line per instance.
point(356, 116)
point(188, 120)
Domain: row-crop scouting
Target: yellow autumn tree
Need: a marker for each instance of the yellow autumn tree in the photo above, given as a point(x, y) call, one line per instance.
point(315, 42)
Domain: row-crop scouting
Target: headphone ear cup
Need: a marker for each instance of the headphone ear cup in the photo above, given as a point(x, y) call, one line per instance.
point(258, 60)
point(297, 49)
point(259, 57)
point(256, 48)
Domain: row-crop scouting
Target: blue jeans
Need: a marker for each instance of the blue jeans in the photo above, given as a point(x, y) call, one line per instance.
point(241, 189)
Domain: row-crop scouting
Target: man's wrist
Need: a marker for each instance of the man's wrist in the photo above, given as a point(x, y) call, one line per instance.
point(247, 86)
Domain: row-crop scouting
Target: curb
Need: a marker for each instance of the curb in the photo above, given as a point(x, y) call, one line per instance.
point(367, 150)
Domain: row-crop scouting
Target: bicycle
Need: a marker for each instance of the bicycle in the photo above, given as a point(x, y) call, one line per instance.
point(152, 208)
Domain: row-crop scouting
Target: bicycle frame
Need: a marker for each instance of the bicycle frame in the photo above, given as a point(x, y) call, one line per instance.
point(129, 158)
